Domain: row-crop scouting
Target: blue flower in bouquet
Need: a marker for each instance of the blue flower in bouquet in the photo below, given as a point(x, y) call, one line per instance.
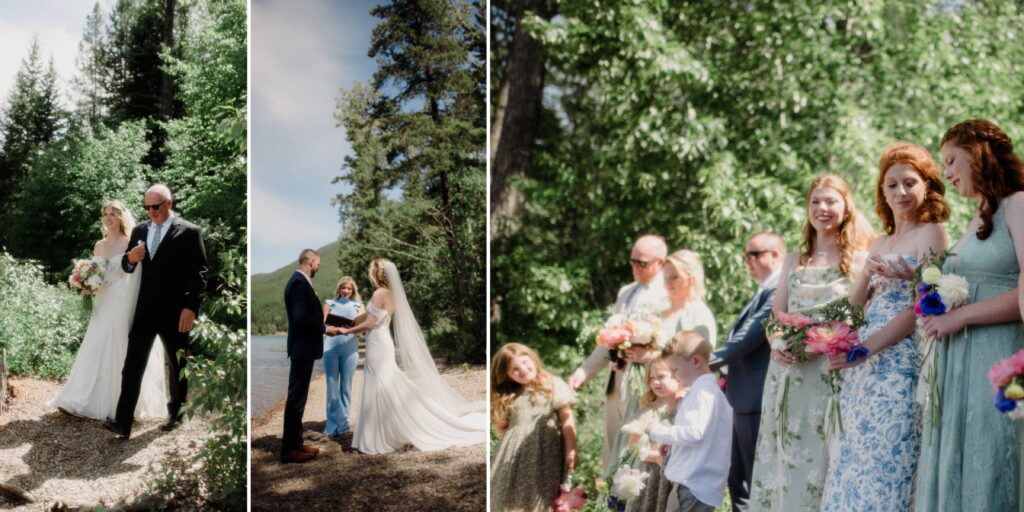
point(1004, 404)
point(923, 288)
point(931, 304)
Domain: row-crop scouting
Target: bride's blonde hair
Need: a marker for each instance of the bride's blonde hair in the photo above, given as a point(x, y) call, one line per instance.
point(378, 277)
point(123, 215)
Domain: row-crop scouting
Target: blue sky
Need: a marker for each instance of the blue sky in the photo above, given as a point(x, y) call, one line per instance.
point(303, 52)
point(58, 25)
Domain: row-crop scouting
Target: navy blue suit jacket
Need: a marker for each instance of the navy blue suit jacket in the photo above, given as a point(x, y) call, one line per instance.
point(305, 319)
point(746, 353)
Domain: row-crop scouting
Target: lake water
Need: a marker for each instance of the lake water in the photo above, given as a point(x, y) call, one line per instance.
point(269, 379)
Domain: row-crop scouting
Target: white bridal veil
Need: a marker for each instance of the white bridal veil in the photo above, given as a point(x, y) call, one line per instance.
point(414, 357)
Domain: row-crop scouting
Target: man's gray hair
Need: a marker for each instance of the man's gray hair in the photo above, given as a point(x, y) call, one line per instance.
point(161, 190)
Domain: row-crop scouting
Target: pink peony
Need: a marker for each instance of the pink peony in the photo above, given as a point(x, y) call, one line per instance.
point(1002, 372)
point(798, 320)
point(612, 336)
point(570, 500)
point(831, 338)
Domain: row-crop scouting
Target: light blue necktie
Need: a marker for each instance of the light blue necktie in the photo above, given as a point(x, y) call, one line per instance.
point(156, 239)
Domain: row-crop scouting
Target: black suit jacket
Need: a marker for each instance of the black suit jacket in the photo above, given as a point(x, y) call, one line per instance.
point(746, 353)
point(173, 279)
point(305, 319)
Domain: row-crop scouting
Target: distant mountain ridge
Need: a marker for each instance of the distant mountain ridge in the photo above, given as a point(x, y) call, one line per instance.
point(268, 314)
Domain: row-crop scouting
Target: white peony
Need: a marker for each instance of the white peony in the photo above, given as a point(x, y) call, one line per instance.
point(952, 290)
point(1018, 413)
point(628, 482)
point(643, 332)
point(614, 320)
point(94, 281)
point(778, 344)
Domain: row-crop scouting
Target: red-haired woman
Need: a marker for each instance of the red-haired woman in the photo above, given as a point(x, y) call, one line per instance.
point(970, 459)
point(879, 448)
point(791, 458)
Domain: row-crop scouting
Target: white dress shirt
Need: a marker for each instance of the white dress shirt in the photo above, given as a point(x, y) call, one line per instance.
point(151, 232)
point(700, 441)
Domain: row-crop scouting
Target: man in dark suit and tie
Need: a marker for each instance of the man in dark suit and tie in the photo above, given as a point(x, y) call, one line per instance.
point(745, 355)
point(306, 330)
point(173, 267)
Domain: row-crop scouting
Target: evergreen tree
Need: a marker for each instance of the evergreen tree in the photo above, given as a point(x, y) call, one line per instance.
point(30, 121)
point(418, 174)
point(93, 81)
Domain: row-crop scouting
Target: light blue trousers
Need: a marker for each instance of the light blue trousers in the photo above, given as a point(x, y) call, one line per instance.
point(341, 354)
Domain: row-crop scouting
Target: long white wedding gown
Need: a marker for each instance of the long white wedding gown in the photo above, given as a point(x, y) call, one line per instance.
point(93, 388)
point(409, 405)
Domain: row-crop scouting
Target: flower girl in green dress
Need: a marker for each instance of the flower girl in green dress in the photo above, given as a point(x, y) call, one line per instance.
point(532, 412)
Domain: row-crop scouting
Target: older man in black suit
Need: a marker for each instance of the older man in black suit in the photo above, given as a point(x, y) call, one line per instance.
point(306, 330)
point(745, 354)
point(173, 260)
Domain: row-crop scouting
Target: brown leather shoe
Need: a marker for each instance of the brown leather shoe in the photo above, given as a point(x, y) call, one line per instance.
point(308, 449)
point(297, 456)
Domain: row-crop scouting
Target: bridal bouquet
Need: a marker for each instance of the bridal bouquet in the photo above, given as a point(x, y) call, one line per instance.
point(832, 330)
point(1007, 378)
point(621, 332)
point(87, 277)
point(937, 293)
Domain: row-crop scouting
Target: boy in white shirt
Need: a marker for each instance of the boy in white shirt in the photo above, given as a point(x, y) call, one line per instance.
point(700, 438)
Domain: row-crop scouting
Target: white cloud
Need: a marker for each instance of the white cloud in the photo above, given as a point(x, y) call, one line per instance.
point(16, 39)
point(285, 221)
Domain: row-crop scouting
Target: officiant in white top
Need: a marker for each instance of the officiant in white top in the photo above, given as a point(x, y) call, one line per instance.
point(646, 293)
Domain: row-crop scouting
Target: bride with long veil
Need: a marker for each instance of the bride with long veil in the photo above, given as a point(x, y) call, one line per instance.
point(94, 385)
point(404, 400)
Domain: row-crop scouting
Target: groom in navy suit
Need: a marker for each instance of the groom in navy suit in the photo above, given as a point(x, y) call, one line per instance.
point(306, 331)
point(745, 354)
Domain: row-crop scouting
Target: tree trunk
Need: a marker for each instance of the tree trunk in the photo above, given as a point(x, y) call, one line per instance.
point(516, 115)
point(166, 81)
point(3, 382)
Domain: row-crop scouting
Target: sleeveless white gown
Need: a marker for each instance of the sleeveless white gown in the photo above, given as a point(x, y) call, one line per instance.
point(94, 385)
point(393, 412)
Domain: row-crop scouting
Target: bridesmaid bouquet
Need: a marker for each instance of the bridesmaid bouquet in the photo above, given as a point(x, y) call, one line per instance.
point(570, 498)
point(835, 334)
point(621, 332)
point(1007, 378)
point(87, 277)
point(832, 330)
point(937, 293)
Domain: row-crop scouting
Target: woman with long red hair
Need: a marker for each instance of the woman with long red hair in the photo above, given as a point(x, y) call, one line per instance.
point(879, 447)
point(971, 458)
point(791, 458)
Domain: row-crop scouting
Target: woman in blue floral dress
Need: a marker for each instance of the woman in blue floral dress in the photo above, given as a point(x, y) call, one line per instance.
point(879, 445)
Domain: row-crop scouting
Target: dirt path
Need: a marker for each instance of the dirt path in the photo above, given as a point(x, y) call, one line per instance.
point(343, 479)
point(61, 458)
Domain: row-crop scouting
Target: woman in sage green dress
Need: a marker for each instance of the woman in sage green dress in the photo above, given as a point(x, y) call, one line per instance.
point(971, 457)
point(791, 458)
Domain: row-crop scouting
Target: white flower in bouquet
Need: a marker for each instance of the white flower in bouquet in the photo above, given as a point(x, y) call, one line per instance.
point(645, 332)
point(1018, 412)
point(931, 275)
point(94, 281)
point(636, 427)
point(778, 344)
point(628, 482)
point(952, 290)
point(614, 320)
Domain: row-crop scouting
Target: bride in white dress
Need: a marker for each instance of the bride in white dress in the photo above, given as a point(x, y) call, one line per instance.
point(406, 402)
point(94, 385)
